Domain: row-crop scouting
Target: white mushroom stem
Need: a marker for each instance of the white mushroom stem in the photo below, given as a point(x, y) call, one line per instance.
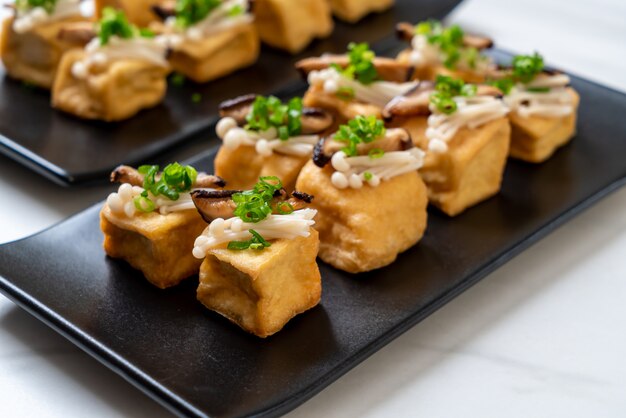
point(26, 20)
point(218, 20)
point(555, 103)
point(378, 93)
point(146, 49)
point(266, 142)
point(353, 172)
point(122, 202)
point(222, 231)
point(472, 112)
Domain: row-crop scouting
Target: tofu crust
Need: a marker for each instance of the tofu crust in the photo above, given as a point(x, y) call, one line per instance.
point(365, 229)
point(470, 171)
point(120, 91)
point(217, 55)
point(535, 139)
point(261, 291)
point(292, 25)
point(34, 56)
point(354, 10)
point(243, 166)
point(159, 245)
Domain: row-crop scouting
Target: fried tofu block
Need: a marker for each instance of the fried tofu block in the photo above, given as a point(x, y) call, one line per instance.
point(292, 25)
point(34, 56)
point(343, 109)
point(159, 245)
point(262, 290)
point(243, 166)
point(217, 55)
point(139, 12)
point(354, 10)
point(470, 171)
point(535, 139)
point(117, 92)
point(365, 229)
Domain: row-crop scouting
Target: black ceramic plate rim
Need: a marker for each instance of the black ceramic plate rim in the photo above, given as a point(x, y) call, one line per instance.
point(180, 407)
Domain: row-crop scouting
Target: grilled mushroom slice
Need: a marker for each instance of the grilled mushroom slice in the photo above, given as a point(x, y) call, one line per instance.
point(389, 69)
point(127, 174)
point(406, 31)
point(213, 204)
point(395, 139)
point(314, 120)
point(415, 102)
point(79, 33)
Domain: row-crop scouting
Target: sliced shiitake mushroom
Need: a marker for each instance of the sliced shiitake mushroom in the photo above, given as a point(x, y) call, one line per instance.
point(127, 174)
point(413, 103)
point(213, 204)
point(314, 120)
point(237, 108)
point(406, 32)
point(388, 69)
point(78, 33)
point(396, 139)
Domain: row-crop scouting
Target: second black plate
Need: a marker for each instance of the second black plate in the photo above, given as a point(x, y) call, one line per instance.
point(198, 364)
point(70, 151)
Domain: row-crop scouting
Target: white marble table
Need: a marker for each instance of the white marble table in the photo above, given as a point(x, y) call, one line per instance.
point(542, 336)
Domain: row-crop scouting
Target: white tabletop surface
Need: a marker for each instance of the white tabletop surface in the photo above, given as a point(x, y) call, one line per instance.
point(541, 337)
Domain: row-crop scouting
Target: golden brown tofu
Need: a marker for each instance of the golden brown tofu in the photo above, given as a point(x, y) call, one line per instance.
point(115, 92)
point(354, 10)
point(243, 166)
point(217, 55)
point(470, 171)
point(139, 12)
point(365, 229)
point(34, 56)
point(535, 139)
point(292, 25)
point(262, 290)
point(343, 109)
point(159, 245)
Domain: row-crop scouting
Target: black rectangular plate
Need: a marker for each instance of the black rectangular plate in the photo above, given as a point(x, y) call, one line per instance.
point(196, 363)
point(70, 151)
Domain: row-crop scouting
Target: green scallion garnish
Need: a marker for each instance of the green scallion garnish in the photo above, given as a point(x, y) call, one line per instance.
point(190, 12)
point(115, 23)
point(446, 89)
point(268, 112)
point(175, 179)
point(256, 243)
point(47, 5)
point(361, 64)
point(360, 130)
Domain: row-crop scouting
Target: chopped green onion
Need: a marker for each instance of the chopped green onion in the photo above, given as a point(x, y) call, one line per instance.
point(178, 79)
point(254, 205)
point(362, 129)
point(115, 23)
point(361, 64)
point(345, 93)
point(196, 98)
point(190, 12)
point(538, 89)
point(284, 208)
point(527, 67)
point(376, 153)
point(256, 243)
point(270, 112)
point(446, 89)
point(367, 176)
point(143, 203)
point(175, 179)
point(236, 10)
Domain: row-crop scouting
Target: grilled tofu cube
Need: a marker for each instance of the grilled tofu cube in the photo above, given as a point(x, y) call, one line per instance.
point(470, 171)
point(115, 92)
point(34, 56)
point(354, 10)
point(365, 229)
point(535, 139)
point(159, 245)
point(291, 25)
point(262, 290)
